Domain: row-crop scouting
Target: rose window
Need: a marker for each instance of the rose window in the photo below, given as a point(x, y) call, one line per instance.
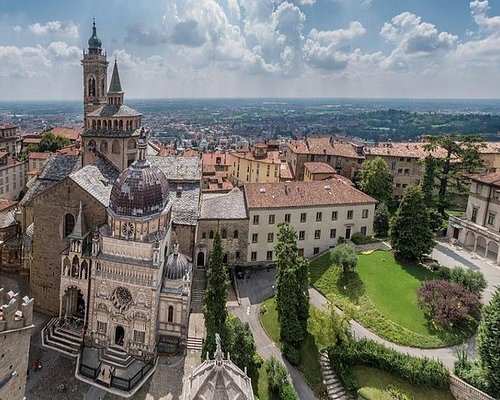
point(121, 299)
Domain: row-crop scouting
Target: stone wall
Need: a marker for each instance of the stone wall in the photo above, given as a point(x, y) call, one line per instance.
point(463, 391)
point(184, 236)
point(15, 335)
point(48, 242)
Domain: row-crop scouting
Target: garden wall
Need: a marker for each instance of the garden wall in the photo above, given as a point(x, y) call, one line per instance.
point(463, 391)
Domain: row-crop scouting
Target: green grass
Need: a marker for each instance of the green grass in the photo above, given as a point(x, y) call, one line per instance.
point(373, 384)
point(309, 362)
point(381, 295)
point(262, 385)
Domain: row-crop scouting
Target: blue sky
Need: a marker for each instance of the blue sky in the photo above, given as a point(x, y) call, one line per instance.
point(251, 48)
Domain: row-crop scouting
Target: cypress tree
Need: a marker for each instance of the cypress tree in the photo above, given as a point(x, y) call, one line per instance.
point(214, 307)
point(410, 233)
point(381, 220)
point(488, 343)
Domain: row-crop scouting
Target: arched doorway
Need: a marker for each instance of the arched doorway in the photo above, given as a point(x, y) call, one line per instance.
point(74, 303)
point(481, 246)
point(80, 305)
point(224, 259)
point(200, 260)
point(492, 252)
point(119, 335)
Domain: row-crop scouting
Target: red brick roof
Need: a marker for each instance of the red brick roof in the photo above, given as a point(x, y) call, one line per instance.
point(332, 191)
point(403, 149)
point(272, 157)
point(319, 168)
point(323, 145)
point(285, 172)
point(69, 133)
point(492, 178)
point(6, 203)
point(38, 155)
point(211, 159)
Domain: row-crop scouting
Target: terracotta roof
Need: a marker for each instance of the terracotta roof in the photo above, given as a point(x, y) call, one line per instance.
point(273, 157)
point(191, 153)
point(37, 155)
point(323, 145)
point(6, 203)
point(492, 178)
point(490, 147)
point(31, 140)
point(69, 133)
point(285, 171)
point(211, 159)
point(319, 168)
point(403, 149)
point(69, 151)
point(332, 191)
point(4, 127)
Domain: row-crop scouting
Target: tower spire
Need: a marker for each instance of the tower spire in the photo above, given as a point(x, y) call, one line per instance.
point(115, 86)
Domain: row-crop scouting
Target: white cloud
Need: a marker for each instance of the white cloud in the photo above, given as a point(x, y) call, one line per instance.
point(17, 28)
point(56, 28)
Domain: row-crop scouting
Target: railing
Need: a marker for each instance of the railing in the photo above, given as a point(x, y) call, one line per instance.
point(128, 384)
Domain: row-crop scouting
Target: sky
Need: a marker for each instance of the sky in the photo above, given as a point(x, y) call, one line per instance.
point(255, 48)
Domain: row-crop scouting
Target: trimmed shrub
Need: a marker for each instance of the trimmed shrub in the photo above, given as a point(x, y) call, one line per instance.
point(447, 303)
point(358, 238)
point(473, 280)
point(278, 382)
point(473, 374)
point(419, 371)
point(291, 353)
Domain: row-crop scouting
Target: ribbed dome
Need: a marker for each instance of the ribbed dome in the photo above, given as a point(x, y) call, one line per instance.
point(94, 41)
point(177, 265)
point(140, 190)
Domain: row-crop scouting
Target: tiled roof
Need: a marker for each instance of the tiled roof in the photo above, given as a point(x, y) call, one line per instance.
point(37, 155)
point(272, 157)
point(323, 145)
point(115, 111)
point(97, 180)
point(223, 206)
point(191, 153)
point(69, 133)
point(492, 178)
point(185, 205)
point(210, 159)
point(285, 172)
point(7, 218)
point(55, 169)
point(110, 133)
point(490, 147)
point(319, 168)
point(6, 203)
point(403, 149)
point(332, 191)
point(3, 127)
point(178, 168)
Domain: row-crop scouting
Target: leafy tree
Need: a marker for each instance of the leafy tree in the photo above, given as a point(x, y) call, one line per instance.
point(460, 157)
point(376, 179)
point(410, 233)
point(214, 307)
point(278, 382)
point(447, 303)
point(330, 328)
point(473, 280)
point(381, 220)
point(488, 345)
point(242, 346)
point(52, 143)
point(428, 182)
point(292, 288)
point(345, 257)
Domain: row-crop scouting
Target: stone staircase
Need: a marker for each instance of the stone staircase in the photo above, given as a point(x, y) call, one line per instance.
point(116, 357)
point(62, 341)
point(334, 387)
point(198, 289)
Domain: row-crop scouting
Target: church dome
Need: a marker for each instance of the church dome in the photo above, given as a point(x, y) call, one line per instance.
point(177, 265)
point(141, 190)
point(94, 41)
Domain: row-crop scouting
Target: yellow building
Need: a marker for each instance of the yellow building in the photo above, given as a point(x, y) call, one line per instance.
point(318, 171)
point(260, 165)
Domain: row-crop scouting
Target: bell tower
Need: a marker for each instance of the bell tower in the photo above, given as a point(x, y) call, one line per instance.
point(95, 68)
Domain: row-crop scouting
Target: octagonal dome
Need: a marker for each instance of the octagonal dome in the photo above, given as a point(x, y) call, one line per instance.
point(141, 190)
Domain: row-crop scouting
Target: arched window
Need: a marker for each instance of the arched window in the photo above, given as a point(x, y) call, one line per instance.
point(211, 235)
point(91, 87)
point(121, 125)
point(131, 144)
point(116, 124)
point(223, 234)
point(102, 86)
point(94, 124)
point(115, 147)
point(235, 234)
point(98, 124)
point(69, 224)
point(104, 147)
point(170, 317)
point(92, 144)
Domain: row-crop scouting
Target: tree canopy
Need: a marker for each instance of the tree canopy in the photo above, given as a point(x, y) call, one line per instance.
point(50, 143)
point(345, 257)
point(376, 179)
point(410, 233)
point(381, 220)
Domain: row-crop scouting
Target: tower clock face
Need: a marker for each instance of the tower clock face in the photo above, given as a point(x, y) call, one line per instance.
point(127, 229)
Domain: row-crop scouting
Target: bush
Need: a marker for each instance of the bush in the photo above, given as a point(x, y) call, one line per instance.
point(341, 240)
point(278, 382)
point(291, 353)
point(473, 280)
point(344, 256)
point(419, 371)
point(473, 374)
point(447, 303)
point(398, 394)
point(358, 238)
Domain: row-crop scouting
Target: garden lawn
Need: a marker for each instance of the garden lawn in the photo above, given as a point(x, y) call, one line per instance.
point(263, 385)
point(382, 295)
point(309, 353)
point(373, 384)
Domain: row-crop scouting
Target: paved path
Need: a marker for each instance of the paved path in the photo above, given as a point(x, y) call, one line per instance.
point(254, 291)
point(450, 255)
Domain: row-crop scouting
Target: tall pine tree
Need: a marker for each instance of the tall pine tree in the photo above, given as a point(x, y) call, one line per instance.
point(428, 183)
point(214, 307)
point(292, 288)
point(488, 343)
point(410, 233)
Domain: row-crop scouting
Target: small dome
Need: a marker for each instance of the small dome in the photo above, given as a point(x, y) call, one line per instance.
point(177, 265)
point(140, 190)
point(94, 41)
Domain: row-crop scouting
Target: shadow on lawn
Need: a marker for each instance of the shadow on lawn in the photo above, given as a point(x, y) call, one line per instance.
point(350, 285)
